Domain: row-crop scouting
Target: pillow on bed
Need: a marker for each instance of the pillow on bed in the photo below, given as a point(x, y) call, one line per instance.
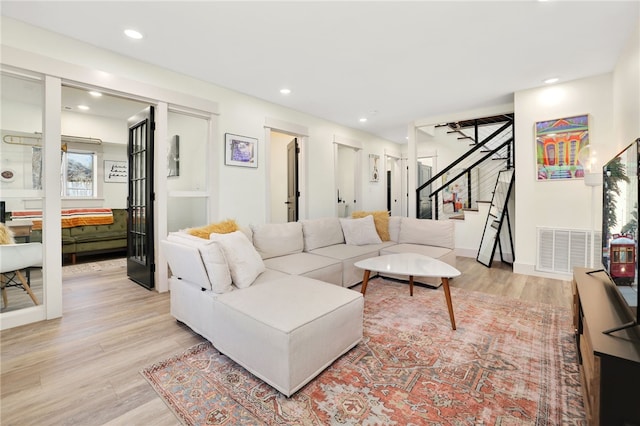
point(245, 264)
point(224, 227)
point(359, 232)
point(213, 259)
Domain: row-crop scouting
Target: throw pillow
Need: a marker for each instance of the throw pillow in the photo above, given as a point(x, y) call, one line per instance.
point(381, 220)
point(224, 227)
point(6, 236)
point(359, 232)
point(245, 264)
point(212, 257)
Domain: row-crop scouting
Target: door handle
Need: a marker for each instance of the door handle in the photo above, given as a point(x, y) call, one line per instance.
point(287, 202)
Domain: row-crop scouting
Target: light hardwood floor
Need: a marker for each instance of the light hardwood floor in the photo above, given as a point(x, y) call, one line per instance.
point(83, 369)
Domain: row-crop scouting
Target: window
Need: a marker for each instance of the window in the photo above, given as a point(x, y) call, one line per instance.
point(78, 174)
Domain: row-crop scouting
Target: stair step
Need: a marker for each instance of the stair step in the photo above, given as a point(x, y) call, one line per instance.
point(457, 217)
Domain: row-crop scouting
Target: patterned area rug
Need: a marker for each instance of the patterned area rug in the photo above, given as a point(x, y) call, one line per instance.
point(509, 363)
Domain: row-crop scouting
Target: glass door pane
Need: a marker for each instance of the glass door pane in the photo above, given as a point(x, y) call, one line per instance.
point(22, 106)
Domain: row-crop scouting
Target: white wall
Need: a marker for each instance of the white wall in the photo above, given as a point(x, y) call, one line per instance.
point(626, 92)
point(557, 204)
point(238, 189)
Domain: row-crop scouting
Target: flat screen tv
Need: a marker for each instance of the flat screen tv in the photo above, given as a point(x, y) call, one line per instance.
point(620, 229)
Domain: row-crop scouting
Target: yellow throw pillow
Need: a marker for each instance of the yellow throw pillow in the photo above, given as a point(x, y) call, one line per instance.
point(6, 236)
point(380, 219)
point(225, 227)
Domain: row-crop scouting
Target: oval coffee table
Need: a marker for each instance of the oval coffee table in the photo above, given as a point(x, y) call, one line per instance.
point(413, 265)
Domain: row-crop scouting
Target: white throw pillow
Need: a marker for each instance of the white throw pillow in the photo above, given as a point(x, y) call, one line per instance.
point(359, 232)
point(212, 257)
point(245, 264)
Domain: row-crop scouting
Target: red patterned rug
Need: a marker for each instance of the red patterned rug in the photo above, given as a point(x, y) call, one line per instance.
point(509, 363)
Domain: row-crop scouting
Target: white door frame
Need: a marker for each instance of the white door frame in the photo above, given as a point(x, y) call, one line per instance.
point(302, 134)
point(357, 147)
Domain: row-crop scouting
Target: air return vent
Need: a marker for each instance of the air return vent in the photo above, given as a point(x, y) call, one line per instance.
point(561, 250)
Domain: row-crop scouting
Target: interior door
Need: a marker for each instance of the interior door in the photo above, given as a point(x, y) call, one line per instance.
point(292, 180)
point(140, 253)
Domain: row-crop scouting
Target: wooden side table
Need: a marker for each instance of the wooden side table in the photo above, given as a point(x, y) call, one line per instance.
point(21, 229)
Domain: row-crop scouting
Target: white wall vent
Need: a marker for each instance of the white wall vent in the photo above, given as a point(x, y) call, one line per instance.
point(561, 250)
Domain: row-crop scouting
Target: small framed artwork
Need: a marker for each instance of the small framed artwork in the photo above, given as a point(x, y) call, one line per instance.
point(374, 172)
point(240, 151)
point(173, 157)
point(561, 146)
point(116, 171)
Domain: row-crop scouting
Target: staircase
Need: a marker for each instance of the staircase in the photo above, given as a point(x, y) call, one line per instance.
point(472, 177)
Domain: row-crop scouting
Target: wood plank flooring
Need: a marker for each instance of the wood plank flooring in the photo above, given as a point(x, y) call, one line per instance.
point(83, 369)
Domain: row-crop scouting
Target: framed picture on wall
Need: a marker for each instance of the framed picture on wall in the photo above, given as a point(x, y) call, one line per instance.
point(240, 151)
point(116, 171)
point(173, 157)
point(374, 168)
point(562, 148)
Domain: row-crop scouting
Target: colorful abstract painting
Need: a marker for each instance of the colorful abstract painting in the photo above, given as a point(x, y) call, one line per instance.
point(559, 144)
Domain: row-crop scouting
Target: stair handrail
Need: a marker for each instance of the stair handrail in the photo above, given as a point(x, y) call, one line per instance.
point(467, 170)
point(464, 156)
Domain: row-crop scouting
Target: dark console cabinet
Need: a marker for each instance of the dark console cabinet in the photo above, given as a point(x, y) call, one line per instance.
point(609, 363)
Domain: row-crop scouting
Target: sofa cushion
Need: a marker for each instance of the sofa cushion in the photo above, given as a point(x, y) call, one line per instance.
point(305, 326)
point(245, 264)
point(272, 240)
point(439, 233)
point(359, 232)
point(213, 258)
point(308, 265)
point(394, 228)
point(381, 220)
point(224, 227)
point(321, 233)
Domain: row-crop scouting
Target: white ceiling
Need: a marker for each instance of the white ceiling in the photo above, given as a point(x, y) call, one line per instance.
point(392, 62)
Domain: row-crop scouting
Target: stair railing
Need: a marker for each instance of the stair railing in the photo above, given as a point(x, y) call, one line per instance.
point(476, 168)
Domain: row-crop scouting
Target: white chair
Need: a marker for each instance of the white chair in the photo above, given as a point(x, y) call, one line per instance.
point(13, 259)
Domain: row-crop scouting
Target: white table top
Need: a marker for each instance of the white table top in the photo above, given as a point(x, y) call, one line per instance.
point(409, 264)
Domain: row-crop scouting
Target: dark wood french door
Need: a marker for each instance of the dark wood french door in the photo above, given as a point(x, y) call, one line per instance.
point(140, 253)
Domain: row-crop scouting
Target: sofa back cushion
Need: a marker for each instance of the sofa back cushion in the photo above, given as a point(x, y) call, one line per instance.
point(278, 239)
point(210, 255)
point(439, 233)
point(321, 233)
point(394, 228)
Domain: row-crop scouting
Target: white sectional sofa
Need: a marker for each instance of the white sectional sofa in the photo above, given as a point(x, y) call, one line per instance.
point(274, 297)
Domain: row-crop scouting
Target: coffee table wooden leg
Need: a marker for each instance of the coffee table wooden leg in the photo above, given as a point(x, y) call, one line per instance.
point(365, 280)
point(447, 295)
point(410, 285)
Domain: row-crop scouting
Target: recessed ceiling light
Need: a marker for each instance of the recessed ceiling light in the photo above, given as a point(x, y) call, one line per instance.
point(551, 80)
point(131, 33)
point(285, 91)
point(363, 120)
point(95, 94)
point(83, 107)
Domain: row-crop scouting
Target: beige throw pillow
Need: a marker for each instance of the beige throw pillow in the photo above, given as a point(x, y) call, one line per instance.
point(245, 264)
point(359, 232)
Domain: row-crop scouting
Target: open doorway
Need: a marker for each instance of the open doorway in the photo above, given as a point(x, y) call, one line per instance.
point(284, 173)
